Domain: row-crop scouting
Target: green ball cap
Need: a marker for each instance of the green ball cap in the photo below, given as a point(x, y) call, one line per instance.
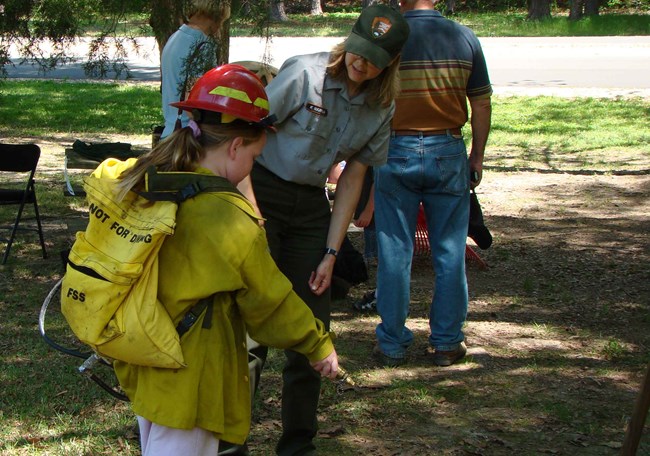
point(378, 35)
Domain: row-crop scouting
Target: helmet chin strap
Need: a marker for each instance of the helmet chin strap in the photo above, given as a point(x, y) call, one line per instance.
point(210, 117)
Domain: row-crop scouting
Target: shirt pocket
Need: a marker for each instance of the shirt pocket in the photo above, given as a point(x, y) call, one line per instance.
point(358, 133)
point(312, 123)
point(312, 129)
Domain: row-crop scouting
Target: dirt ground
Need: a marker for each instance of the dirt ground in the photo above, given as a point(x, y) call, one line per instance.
point(558, 323)
point(557, 332)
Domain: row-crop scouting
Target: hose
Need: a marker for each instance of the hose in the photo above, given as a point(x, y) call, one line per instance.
point(91, 359)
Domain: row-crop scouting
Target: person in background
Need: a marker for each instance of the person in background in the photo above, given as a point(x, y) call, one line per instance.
point(189, 52)
point(331, 106)
point(218, 250)
point(442, 67)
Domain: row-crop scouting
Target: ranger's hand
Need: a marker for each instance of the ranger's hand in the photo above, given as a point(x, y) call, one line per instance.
point(321, 279)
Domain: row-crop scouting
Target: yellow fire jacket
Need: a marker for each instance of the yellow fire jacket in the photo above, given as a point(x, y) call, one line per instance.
point(219, 248)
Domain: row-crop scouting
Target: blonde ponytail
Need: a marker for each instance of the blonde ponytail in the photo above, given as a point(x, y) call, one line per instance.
point(182, 151)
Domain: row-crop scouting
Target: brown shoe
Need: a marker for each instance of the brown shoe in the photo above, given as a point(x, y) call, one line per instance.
point(444, 358)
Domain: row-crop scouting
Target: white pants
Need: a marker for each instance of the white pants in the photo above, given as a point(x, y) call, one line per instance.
point(159, 440)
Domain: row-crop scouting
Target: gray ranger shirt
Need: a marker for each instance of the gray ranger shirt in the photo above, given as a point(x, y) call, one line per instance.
point(319, 125)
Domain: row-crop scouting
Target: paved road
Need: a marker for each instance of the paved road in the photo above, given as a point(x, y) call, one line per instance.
point(529, 64)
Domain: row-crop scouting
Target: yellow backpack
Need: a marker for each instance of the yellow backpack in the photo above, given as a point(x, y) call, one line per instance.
point(109, 290)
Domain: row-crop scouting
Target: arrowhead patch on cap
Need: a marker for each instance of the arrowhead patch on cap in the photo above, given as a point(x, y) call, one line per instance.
point(380, 26)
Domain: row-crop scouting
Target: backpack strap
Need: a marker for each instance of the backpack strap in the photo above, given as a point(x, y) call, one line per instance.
point(192, 315)
point(180, 186)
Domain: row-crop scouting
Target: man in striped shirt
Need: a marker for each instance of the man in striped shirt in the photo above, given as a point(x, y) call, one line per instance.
point(442, 67)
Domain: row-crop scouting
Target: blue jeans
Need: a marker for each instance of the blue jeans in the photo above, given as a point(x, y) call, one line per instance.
point(434, 171)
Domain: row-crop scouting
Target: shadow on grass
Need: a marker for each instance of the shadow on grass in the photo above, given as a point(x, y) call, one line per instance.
point(557, 337)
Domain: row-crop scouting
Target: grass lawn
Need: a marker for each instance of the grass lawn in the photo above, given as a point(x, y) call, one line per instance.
point(512, 22)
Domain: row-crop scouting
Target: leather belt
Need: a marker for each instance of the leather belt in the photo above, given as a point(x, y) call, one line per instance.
point(450, 131)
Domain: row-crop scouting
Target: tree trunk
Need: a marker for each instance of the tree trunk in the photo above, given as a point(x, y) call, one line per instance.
point(450, 7)
point(223, 43)
point(245, 7)
point(392, 3)
point(591, 7)
point(278, 12)
point(166, 17)
point(539, 9)
point(316, 8)
point(577, 6)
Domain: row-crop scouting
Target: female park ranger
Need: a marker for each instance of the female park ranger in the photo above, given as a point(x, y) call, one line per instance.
point(331, 106)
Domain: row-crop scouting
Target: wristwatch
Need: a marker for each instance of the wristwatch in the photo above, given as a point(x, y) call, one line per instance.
point(331, 251)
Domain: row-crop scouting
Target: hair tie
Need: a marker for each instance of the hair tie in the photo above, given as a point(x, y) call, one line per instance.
point(196, 131)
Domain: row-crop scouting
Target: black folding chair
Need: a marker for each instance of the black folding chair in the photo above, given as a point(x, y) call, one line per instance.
point(17, 160)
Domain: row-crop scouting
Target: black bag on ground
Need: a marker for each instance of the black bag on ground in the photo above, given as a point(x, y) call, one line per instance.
point(101, 151)
point(349, 269)
point(476, 230)
point(349, 264)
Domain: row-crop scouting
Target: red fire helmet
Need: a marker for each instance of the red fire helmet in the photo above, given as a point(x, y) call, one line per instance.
point(233, 91)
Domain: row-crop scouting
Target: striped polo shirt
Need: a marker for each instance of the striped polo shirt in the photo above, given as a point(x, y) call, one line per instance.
point(442, 65)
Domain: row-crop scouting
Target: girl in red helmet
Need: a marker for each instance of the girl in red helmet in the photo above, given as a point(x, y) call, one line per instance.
point(218, 249)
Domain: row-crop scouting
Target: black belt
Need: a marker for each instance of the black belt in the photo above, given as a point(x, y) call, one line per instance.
point(259, 170)
point(448, 131)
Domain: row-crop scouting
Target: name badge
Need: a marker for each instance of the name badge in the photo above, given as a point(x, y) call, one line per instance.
point(318, 110)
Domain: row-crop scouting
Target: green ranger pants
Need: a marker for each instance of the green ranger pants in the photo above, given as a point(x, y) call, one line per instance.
point(297, 222)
